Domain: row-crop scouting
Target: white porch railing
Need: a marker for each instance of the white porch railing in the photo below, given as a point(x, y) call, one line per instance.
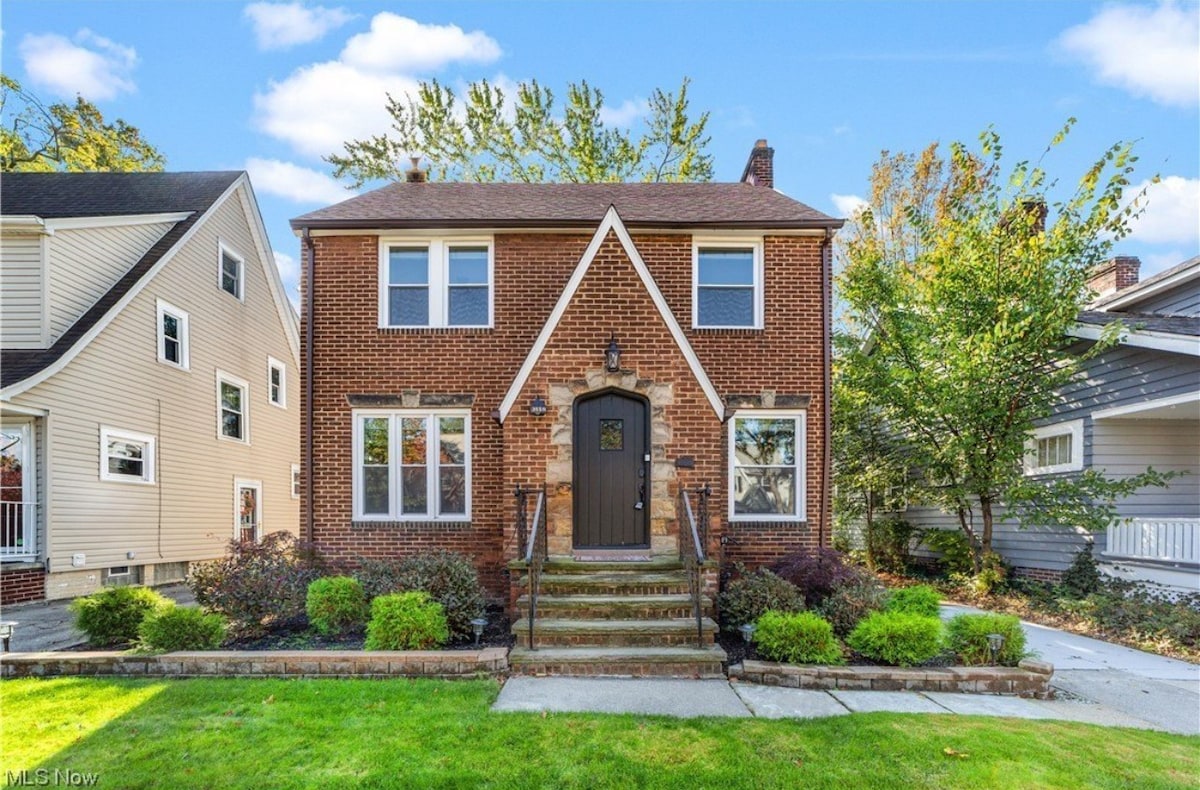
point(18, 530)
point(1161, 539)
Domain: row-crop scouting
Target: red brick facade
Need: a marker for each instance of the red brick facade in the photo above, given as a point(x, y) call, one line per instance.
point(781, 364)
point(20, 586)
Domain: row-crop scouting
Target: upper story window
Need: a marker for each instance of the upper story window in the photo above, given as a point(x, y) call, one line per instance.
point(126, 457)
point(766, 466)
point(172, 335)
point(231, 275)
point(233, 408)
point(435, 283)
point(412, 465)
point(727, 284)
point(276, 382)
point(1055, 448)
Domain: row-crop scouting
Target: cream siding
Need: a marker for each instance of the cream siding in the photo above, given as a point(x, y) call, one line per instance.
point(117, 381)
point(86, 262)
point(21, 291)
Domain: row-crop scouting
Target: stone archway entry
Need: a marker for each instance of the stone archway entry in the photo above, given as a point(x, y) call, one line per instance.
point(611, 471)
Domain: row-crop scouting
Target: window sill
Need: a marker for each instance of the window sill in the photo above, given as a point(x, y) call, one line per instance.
point(363, 523)
point(137, 481)
point(768, 524)
point(436, 330)
point(737, 331)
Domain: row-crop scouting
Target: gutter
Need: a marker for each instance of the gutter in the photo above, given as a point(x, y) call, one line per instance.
point(827, 381)
point(309, 282)
point(383, 223)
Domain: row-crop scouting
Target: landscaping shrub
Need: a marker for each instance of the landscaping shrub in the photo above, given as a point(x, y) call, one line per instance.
point(747, 597)
point(1082, 578)
point(112, 616)
point(992, 576)
point(952, 547)
point(815, 574)
point(181, 628)
point(900, 638)
point(336, 604)
point(919, 599)
point(448, 577)
point(258, 585)
point(406, 621)
point(853, 601)
point(967, 636)
point(890, 542)
point(797, 638)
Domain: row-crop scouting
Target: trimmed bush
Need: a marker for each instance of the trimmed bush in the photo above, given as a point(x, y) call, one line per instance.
point(1082, 578)
point(181, 628)
point(406, 621)
point(816, 574)
point(258, 585)
point(899, 638)
point(113, 615)
point(853, 601)
point(797, 638)
point(747, 597)
point(967, 636)
point(953, 548)
point(889, 544)
point(449, 578)
point(336, 604)
point(919, 599)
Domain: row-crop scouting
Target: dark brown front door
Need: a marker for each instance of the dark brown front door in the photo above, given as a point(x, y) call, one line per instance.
point(612, 506)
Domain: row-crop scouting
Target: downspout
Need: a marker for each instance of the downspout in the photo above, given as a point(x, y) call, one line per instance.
point(309, 282)
point(827, 381)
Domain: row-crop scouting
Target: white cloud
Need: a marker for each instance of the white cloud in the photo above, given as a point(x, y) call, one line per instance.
point(1172, 213)
point(295, 183)
point(847, 205)
point(283, 25)
point(289, 272)
point(92, 66)
point(399, 44)
point(1152, 52)
point(625, 115)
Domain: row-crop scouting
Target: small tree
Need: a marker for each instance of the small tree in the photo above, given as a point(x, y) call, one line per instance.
point(528, 138)
point(962, 297)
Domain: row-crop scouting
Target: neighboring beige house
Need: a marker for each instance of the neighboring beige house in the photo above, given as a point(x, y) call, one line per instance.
point(149, 379)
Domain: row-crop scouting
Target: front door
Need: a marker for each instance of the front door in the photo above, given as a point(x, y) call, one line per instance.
point(248, 527)
point(611, 489)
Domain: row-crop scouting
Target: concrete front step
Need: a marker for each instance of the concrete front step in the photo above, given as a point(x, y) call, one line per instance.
point(614, 607)
point(683, 662)
point(614, 583)
point(616, 633)
point(559, 565)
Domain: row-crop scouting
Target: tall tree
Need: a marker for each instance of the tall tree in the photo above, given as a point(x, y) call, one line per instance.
point(68, 137)
point(528, 138)
point(962, 296)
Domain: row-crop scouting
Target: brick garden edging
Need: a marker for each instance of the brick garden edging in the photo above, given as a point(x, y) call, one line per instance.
point(1029, 679)
point(491, 661)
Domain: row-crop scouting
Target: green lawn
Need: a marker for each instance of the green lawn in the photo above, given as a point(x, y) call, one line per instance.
point(371, 733)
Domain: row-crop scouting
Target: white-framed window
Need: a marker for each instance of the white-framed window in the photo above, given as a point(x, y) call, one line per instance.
point(231, 271)
point(727, 283)
point(172, 336)
point(412, 465)
point(247, 511)
point(125, 456)
point(435, 282)
point(276, 382)
point(766, 466)
point(1052, 449)
point(295, 481)
point(233, 408)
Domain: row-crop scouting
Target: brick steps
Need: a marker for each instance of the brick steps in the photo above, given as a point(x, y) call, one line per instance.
point(614, 583)
point(678, 632)
point(615, 607)
point(688, 662)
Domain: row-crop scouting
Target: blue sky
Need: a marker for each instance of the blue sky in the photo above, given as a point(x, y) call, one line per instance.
point(269, 87)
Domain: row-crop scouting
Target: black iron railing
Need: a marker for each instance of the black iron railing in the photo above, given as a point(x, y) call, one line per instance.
point(693, 539)
point(531, 535)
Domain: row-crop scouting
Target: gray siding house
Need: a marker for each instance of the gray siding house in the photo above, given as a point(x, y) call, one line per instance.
point(1137, 405)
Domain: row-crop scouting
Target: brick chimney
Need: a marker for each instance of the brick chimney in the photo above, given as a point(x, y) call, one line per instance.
point(1114, 275)
point(415, 175)
point(760, 168)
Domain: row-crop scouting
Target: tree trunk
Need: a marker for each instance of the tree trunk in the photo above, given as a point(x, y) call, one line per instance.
point(870, 534)
point(976, 558)
point(985, 508)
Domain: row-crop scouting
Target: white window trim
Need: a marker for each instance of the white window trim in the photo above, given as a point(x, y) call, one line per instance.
point(225, 378)
point(801, 418)
point(294, 481)
point(272, 365)
point(439, 278)
point(238, 485)
point(1072, 427)
point(431, 479)
point(224, 249)
point(148, 458)
point(754, 243)
point(163, 308)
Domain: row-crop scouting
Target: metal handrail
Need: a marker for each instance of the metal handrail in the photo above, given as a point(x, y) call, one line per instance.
point(692, 553)
point(535, 548)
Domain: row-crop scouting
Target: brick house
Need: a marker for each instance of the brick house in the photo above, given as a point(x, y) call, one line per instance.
point(617, 344)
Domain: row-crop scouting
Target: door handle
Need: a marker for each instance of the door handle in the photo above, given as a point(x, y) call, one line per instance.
point(641, 497)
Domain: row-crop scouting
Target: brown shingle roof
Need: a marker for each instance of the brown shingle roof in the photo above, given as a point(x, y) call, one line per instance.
point(444, 204)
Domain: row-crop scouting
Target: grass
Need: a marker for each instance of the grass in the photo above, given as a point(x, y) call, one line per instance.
point(375, 734)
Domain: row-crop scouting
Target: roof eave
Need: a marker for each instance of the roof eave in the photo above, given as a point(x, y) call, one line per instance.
point(412, 224)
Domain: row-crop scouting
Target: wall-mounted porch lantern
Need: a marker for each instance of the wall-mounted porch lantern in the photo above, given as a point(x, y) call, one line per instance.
point(538, 406)
point(612, 355)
